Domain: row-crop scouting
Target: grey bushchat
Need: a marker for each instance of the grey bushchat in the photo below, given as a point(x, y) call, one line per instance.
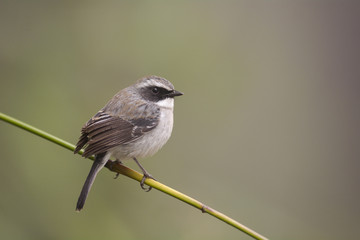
point(135, 123)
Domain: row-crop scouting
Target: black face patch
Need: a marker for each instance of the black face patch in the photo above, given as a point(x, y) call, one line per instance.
point(154, 93)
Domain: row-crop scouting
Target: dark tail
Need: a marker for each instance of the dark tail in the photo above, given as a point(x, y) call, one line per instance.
point(95, 168)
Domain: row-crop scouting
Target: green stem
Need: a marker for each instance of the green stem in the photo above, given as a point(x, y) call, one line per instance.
point(119, 168)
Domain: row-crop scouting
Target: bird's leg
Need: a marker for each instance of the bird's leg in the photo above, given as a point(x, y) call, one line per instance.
point(117, 161)
point(146, 175)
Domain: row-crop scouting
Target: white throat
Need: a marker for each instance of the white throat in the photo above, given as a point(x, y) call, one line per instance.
point(167, 103)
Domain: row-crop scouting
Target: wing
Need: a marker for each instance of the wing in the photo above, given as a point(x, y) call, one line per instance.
point(103, 132)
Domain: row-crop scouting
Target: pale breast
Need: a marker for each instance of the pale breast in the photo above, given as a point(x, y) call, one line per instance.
point(151, 142)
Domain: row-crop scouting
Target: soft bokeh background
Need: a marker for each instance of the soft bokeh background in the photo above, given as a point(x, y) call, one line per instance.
point(267, 131)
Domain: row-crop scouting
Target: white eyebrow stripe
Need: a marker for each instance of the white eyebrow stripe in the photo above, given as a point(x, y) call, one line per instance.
point(153, 82)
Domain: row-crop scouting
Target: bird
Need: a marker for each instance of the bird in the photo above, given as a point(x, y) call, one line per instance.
point(135, 123)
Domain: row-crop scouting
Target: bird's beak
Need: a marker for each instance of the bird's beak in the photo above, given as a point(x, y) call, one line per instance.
point(175, 93)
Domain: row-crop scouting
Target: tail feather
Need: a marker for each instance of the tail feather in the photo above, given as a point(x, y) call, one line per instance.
point(98, 164)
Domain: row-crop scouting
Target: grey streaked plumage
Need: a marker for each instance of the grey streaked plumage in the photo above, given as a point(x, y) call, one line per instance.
point(136, 122)
point(103, 132)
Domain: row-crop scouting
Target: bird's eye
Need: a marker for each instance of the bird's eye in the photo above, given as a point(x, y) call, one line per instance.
point(155, 90)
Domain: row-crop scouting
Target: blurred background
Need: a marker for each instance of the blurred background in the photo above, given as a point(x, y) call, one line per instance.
point(267, 131)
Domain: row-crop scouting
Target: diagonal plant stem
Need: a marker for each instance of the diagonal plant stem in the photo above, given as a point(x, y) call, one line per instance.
point(119, 168)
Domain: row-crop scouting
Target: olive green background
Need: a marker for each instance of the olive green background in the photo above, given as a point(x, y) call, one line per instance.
point(267, 131)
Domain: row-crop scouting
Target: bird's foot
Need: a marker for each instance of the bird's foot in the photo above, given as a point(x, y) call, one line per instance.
point(142, 183)
point(112, 166)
